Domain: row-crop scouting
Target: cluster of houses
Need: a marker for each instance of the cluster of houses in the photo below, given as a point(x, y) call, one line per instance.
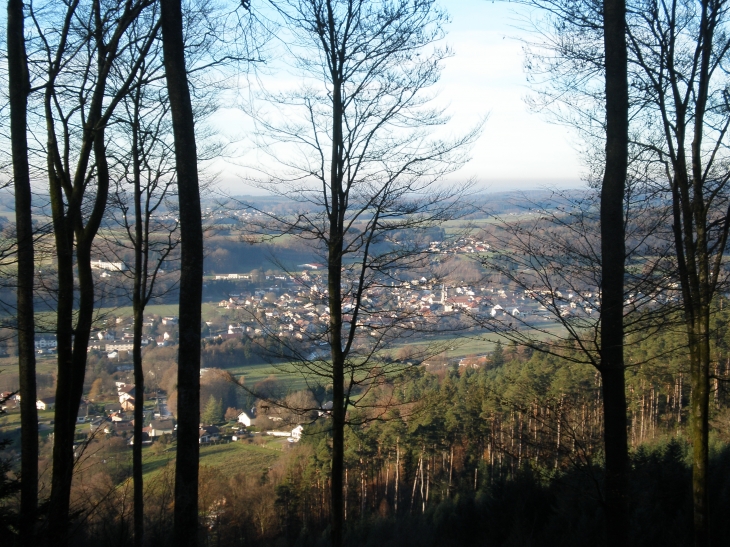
point(297, 307)
point(110, 342)
point(125, 392)
point(45, 343)
point(118, 424)
point(117, 419)
point(464, 245)
point(212, 433)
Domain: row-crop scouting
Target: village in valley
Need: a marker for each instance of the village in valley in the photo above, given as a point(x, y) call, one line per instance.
point(450, 295)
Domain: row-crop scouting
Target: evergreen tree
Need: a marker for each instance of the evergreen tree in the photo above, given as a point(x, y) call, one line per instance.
point(498, 355)
point(213, 412)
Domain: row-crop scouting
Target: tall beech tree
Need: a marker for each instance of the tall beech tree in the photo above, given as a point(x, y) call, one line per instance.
point(144, 190)
point(580, 71)
point(680, 55)
point(613, 268)
point(19, 88)
point(363, 165)
point(677, 55)
point(191, 276)
point(78, 62)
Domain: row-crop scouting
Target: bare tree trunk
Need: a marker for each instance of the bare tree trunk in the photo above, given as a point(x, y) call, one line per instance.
point(428, 484)
point(613, 255)
point(345, 498)
point(397, 476)
point(72, 340)
point(423, 497)
point(18, 89)
point(699, 407)
point(362, 490)
point(451, 470)
point(415, 484)
point(334, 283)
point(679, 403)
point(137, 477)
point(138, 304)
point(191, 277)
point(76, 220)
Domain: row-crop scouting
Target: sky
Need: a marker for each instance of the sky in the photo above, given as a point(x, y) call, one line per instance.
point(519, 149)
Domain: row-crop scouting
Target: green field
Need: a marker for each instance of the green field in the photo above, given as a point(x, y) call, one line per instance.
point(252, 374)
point(230, 458)
point(472, 343)
point(210, 311)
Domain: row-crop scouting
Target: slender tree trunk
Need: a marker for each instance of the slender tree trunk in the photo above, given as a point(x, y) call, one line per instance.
point(613, 255)
point(699, 418)
point(138, 422)
point(19, 87)
point(191, 277)
point(139, 293)
point(428, 485)
point(415, 484)
point(62, 444)
point(362, 490)
point(72, 340)
point(451, 470)
point(397, 476)
point(334, 285)
point(706, 284)
point(338, 409)
point(423, 496)
point(347, 482)
point(138, 310)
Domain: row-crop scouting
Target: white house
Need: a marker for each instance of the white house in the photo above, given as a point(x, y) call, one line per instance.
point(158, 428)
point(235, 329)
point(296, 433)
point(47, 403)
point(119, 346)
point(125, 393)
point(45, 343)
point(109, 266)
point(244, 419)
point(279, 433)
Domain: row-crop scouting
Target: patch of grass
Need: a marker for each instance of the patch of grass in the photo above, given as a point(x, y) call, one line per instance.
point(162, 310)
point(229, 458)
point(252, 374)
point(10, 428)
point(11, 419)
point(46, 364)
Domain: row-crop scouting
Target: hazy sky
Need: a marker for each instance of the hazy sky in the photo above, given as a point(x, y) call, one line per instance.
point(519, 149)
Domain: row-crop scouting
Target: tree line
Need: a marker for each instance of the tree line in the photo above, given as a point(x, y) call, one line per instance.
point(468, 456)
